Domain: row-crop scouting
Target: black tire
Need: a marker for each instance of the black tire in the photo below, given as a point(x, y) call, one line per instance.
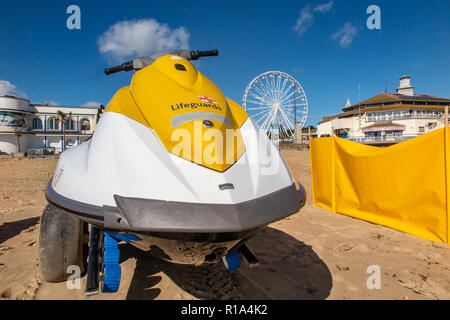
point(61, 244)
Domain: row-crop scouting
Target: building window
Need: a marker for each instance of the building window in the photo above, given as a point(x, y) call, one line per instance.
point(53, 124)
point(85, 125)
point(37, 124)
point(69, 124)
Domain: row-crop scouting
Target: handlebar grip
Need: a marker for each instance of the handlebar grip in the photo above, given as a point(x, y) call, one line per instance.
point(211, 53)
point(195, 55)
point(127, 66)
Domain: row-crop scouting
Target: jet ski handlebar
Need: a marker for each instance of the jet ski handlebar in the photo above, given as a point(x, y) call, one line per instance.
point(195, 55)
point(143, 62)
point(127, 66)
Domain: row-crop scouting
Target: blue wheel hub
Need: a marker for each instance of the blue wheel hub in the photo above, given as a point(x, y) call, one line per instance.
point(111, 268)
point(232, 261)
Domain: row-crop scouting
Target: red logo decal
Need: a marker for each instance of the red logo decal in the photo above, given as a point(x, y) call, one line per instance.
point(207, 100)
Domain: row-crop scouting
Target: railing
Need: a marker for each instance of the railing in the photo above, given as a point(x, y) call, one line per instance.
point(404, 117)
point(380, 140)
point(41, 130)
point(41, 152)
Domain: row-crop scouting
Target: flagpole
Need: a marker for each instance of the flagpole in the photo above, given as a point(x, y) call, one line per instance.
point(295, 102)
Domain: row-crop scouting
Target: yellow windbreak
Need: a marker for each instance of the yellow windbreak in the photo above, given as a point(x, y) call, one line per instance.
point(404, 186)
point(188, 112)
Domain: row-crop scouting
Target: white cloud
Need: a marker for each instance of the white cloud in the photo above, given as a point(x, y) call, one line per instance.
point(52, 103)
point(304, 21)
point(91, 104)
point(135, 38)
point(324, 7)
point(7, 88)
point(306, 18)
point(345, 35)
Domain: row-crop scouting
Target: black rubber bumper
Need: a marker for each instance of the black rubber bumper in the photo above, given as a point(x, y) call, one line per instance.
point(146, 215)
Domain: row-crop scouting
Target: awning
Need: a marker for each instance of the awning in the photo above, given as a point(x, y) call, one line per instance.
point(384, 127)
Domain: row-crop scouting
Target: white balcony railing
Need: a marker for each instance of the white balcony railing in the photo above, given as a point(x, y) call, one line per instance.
point(403, 117)
point(383, 139)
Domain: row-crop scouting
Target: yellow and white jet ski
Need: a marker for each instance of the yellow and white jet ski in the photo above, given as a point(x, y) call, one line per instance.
point(173, 167)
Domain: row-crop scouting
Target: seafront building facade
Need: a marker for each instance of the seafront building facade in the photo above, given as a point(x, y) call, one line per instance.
point(25, 126)
point(387, 118)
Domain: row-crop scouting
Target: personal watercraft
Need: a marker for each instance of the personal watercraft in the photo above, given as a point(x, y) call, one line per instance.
point(173, 167)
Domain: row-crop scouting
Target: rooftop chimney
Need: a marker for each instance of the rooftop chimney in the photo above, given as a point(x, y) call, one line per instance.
point(405, 86)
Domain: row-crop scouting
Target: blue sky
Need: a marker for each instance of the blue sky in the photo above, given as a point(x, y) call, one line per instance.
point(41, 58)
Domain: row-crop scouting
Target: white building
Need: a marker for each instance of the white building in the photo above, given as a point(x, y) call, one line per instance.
point(25, 126)
point(388, 117)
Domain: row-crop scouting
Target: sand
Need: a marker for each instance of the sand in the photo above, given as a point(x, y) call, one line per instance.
point(313, 254)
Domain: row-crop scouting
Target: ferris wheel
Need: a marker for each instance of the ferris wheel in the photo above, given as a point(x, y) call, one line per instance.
point(276, 100)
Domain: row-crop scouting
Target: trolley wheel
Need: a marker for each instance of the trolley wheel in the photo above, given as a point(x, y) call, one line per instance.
point(60, 244)
point(232, 261)
point(111, 268)
point(112, 274)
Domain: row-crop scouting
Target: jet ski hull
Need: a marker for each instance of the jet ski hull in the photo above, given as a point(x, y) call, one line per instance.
point(184, 233)
point(190, 249)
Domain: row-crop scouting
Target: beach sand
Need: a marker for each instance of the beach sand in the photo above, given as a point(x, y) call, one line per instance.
point(313, 254)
